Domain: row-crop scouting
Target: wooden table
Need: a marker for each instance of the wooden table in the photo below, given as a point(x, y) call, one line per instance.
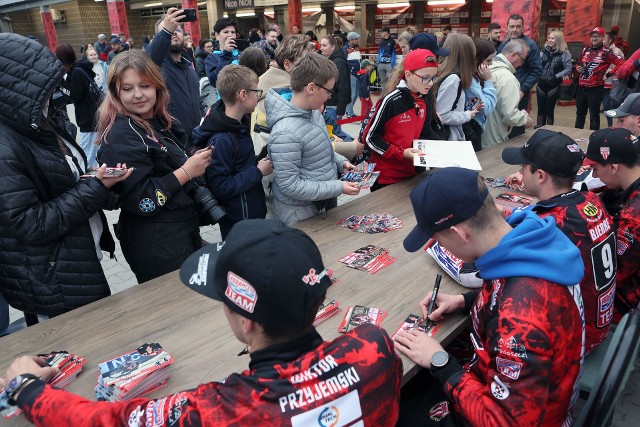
point(193, 328)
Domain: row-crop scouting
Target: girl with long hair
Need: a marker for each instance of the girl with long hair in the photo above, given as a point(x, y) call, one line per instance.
point(556, 63)
point(482, 91)
point(401, 115)
point(158, 226)
point(100, 68)
point(337, 104)
point(456, 74)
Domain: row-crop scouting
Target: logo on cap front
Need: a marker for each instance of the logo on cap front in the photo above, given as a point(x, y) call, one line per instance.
point(604, 152)
point(240, 292)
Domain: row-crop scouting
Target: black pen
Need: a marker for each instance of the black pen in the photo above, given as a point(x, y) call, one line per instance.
point(434, 295)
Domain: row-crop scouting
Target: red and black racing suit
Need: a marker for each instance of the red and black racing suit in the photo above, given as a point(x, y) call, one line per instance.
point(297, 383)
point(583, 218)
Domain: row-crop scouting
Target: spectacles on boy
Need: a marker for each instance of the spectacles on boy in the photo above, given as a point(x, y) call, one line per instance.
point(330, 91)
point(259, 92)
point(425, 79)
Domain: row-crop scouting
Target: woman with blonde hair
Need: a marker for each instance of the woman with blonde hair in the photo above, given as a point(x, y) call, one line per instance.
point(456, 74)
point(100, 68)
point(158, 225)
point(405, 37)
point(556, 63)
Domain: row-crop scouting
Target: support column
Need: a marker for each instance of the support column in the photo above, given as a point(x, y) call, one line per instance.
point(118, 17)
point(49, 28)
point(215, 11)
point(192, 28)
point(279, 17)
point(581, 17)
point(418, 14)
point(329, 21)
point(528, 9)
point(295, 15)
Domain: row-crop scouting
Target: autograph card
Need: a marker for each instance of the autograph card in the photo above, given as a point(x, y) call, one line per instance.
point(358, 315)
point(512, 200)
point(413, 321)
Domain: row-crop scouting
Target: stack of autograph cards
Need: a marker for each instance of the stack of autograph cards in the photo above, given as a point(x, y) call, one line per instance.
point(69, 366)
point(368, 258)
point(511, 201)
point(326, 310)
point(133, 374)
point(371, 223)
point(362, 174)
point(502, 182)
point(413, 321)
point(358, 315)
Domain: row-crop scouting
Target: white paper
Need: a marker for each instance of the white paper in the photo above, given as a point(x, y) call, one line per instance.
point(442, 154)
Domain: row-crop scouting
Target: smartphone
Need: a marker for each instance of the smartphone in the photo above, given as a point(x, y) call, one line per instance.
point(472, 104)
point(242, 44)
point(108, 173)
point(189, 15)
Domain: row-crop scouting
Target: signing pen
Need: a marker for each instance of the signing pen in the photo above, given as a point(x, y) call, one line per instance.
point(434, 295)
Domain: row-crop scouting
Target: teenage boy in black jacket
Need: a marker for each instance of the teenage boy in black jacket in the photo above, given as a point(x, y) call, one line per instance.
point(234, 175)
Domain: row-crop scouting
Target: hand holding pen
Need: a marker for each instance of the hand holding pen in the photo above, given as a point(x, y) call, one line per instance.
point(436, 304)
point(432, 302)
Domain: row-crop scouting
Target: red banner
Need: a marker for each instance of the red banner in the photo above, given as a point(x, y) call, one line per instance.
point(49, 30)
point(582, 16)
point(528, 9)
point(192, 28)
point(118, 17)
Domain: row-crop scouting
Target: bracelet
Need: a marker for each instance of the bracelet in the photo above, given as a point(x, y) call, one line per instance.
point(187, 172)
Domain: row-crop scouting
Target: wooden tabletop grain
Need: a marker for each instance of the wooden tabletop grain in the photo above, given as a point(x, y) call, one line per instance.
point(193, 328)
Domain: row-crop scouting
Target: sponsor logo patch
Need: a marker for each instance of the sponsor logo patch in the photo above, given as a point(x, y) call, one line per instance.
point(590, 210)
point(161, 198)
point(511, 347)
point(604, 152)
point(200, 277)
point(605, 307)
point(508, 368)
point(439, 411)
point(329, 417)
point(240, 292)
point(312, 278)
point(155, 413)
point(147, 205)
point(499, 390)
point(574, 148)
point(135, 416)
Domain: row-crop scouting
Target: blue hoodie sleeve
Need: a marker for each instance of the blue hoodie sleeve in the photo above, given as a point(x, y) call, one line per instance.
point(215, 63)
point(221, 179)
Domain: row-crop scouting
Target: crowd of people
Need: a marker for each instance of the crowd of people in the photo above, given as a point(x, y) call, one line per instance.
point(265, 139)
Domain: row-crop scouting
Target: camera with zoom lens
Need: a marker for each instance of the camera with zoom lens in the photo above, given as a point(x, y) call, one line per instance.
point(209, 210)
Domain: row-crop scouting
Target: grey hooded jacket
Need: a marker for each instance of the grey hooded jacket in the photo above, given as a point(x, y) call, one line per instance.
point(305, 165)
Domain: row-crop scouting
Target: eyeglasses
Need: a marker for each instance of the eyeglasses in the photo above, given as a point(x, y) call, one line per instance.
point(426, 79)
point(330, 91)
point(259, 92)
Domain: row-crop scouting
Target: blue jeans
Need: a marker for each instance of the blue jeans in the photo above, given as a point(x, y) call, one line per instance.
point(4, 315)
point(354, 95)
point(90, 149)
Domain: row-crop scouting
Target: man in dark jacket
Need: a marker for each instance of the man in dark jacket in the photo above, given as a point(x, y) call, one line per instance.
point(234, 175)
point(86, 97)
point(178, 71)
point(227, 53)
point(341, 95)
point(386, 56)
point(48, 258)
point(531, 69)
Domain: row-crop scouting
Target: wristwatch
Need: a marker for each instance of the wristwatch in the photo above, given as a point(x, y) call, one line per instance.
point(439, 360)
point(16, 384)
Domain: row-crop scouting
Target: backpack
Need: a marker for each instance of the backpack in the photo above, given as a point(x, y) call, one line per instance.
point(94, 90)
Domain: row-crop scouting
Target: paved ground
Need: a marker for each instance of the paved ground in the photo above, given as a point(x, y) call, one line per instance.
point(120, 277)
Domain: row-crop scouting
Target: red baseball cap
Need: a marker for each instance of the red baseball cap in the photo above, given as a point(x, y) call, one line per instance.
point(597, 30)
point(419, 58)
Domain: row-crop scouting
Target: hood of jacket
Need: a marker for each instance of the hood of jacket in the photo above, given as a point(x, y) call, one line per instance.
point(217, 121)
point(279, 108)
point(501, 62)
point(29, 73)
point(338, 53)
point(85, 65)
point(534, 248)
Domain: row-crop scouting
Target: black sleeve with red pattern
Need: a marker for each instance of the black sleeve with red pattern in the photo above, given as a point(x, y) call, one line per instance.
point(469, 299)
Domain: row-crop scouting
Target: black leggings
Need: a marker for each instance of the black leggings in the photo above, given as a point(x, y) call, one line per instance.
point(547, 98)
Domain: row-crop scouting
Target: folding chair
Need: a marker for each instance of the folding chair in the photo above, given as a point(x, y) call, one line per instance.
point(613, 372)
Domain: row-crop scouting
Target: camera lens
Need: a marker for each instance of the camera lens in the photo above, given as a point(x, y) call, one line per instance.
point(207, 205)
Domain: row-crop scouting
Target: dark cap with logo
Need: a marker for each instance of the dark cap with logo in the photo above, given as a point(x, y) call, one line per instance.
point(265, 271)
point(429, 42)
point(553, 152)
point(629, 107)
point(612, 145)
point(445, 198)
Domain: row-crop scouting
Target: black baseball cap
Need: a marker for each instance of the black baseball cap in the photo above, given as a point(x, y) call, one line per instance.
point(612, 145)
point(629, 107)
point(265, 271)
point(445, 198)
point(553, 152)
point(427, 41)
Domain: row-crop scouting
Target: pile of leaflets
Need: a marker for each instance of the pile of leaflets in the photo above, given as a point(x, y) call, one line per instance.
point(502, 182)
point(511, 201)
point(69, 366)
point(371, 223)
point(362, 174)
point(133, 374)
point(413, 321)
point(358, 315)
point(326, 310)
point(368, 258)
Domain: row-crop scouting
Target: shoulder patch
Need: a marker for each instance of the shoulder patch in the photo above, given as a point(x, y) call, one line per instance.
point(147, 205)
point(161, 198)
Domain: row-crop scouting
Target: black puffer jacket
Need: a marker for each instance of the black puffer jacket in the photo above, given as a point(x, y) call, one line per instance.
point(48, 261)
point(342, 89)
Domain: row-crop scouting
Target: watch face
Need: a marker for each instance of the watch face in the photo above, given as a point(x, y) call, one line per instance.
point(13, 385)
point(439, 359)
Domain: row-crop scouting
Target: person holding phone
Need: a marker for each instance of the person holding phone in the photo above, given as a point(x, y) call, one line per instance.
point(225, 32)
point(166, 51)
point(158, 225)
